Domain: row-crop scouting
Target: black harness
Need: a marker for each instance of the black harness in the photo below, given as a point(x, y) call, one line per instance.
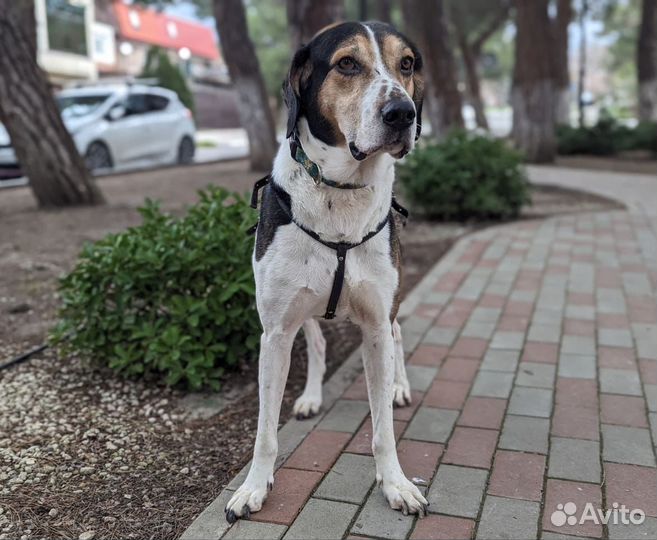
point(340, 248)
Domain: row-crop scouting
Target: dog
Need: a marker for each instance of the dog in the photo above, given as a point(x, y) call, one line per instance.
point(326, 242)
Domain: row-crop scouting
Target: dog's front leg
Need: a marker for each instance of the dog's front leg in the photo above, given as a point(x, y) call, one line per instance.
point(308, 404)
point(401, 390)
point(379, 361)
point(274, 364)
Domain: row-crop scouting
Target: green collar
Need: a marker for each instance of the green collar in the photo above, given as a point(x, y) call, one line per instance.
point(300, 156)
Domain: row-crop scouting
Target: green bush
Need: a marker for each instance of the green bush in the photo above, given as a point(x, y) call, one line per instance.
point(606, 138)
point(171, 297)
point(465, 177)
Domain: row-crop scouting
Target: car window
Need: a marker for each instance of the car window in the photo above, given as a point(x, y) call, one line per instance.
point(80, 105)
point(157, 103)
point(136, 104)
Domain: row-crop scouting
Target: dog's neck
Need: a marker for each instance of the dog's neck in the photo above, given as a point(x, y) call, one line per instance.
point(337, 215)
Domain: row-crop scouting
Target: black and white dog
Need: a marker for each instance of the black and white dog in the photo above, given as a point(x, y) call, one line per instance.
point(354, 95)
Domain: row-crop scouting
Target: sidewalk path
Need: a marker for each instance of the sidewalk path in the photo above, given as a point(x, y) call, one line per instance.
point(532, 353)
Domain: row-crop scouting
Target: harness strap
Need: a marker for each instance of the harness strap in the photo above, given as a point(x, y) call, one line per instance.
point(340, 248)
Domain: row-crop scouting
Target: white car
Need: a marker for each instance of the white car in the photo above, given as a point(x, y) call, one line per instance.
point(121, 127)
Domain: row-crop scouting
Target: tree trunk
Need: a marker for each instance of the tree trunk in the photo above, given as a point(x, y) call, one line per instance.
point(307, 17)
point(470, 59)
point(581, 78)
point(383, 10)
point(562, 74)
point(44, 148)
point(425, 20)
point(533, 82)
point(647, 62)
point(253, 103)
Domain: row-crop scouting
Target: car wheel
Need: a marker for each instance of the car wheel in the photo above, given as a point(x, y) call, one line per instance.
point(186, 151)
point(98, 157)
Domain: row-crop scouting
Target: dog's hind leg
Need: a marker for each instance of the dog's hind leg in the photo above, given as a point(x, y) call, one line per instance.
point(308, 404)
point(401, 389)
point(379, 361)
point(274, 364)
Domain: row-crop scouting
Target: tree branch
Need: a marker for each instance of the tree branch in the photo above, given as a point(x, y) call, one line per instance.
point(494, 25)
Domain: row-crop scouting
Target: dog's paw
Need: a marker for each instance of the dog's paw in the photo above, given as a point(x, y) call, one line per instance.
point(247, 499)
point(403, 495)
point(401, 394)
point(306, 406)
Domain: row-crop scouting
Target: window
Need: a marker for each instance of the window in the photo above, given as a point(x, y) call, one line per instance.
point(67, 30)
point(157, 103)
point(76, 106)
point(136, 104)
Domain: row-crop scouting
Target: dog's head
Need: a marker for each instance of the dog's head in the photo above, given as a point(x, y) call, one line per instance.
point(360, 86)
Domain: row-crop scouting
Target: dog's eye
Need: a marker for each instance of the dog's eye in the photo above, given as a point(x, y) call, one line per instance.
point(407, 65)
point(348, 65)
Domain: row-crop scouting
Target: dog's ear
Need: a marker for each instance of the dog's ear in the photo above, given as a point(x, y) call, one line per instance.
point(418, 90)
point(292, 87)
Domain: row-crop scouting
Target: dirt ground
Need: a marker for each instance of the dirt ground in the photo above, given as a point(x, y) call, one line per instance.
point(82, 450)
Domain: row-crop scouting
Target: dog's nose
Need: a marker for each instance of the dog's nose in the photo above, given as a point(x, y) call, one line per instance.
point(398, 114)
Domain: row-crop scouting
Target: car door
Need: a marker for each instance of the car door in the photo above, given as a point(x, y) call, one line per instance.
point(131, 136)
point(162, 120)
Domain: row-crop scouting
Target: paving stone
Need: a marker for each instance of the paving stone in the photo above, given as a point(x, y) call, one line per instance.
point(651, 396)
point(420, 377)
point(582, 345)
point(318, 451)
point(500, 360)
point(525, 433)
point(577, 392)
point(508, 518)
point(547, 535)
point(349, 480)
point(406, 413)
point(322, 519)
point(620, 381)
point(577, 366)
point(627, 445)
point(546, 333)
point(574, 459)
point(211, 523)
point(652, 418)
point(614, 337)
point(508, 340)
point(477, 329)
point(457, 491)
point(560, 492)
point(446, 395)
point(536, 375)
point(419, 459)
point(575, 422)
point(458, 369)
point(379, 520)
point(580, 312)
point(362, 441)
point(357, 390)
point(484, 314)
point(647, 530)
point(517, 475)
point(431, 425)
point(544, 353)
point(633, 486)
point(292, 488)
point(469, 347)
point(435, 527)
point(346, 415)
point(471, 447)
point(482, 413)
point(440, 336)
point(623, 410)
point(531, 402)
point(492, 384)
point(253, 530)
point(428, 355)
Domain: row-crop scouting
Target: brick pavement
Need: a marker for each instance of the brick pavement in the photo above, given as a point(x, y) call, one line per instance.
point(532, 354)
